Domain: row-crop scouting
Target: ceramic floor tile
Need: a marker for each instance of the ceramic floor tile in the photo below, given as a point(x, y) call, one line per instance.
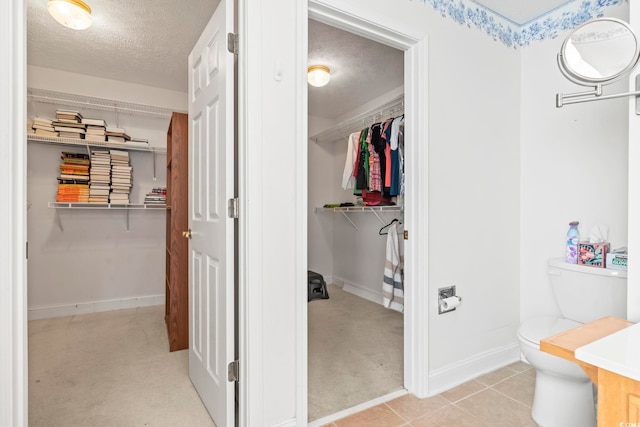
point(410, 407)
point(378, 416)
point(520, 366)
point(497, 410)
point(519, 387)
point(496, 376)
point(450, 416)
point(463, 390)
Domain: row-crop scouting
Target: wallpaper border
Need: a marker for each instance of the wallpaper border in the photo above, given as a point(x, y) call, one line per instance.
point(514, 35)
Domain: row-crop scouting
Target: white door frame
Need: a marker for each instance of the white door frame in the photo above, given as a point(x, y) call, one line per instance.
point(416, 176)
point(13, 269)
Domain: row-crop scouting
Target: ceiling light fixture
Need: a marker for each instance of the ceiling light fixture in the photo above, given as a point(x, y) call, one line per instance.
point(74, 14)
point(318, 75)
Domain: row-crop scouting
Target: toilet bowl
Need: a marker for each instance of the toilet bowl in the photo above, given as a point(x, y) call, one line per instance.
point(564, 394)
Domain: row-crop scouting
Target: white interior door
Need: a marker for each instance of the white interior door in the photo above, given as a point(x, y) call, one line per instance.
point(211, 184)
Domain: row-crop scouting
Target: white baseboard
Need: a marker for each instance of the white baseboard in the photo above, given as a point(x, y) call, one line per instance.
point(48, 312)
point(359, 290)
point(453, 375)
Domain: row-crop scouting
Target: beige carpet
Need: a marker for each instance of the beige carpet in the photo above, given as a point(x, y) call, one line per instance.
point(109, 369)
point(355, 352)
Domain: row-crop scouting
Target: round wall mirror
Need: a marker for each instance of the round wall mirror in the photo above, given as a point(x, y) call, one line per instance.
point(598, 52)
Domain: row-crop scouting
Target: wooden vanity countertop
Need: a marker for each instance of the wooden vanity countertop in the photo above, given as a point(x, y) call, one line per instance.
point(565, 343)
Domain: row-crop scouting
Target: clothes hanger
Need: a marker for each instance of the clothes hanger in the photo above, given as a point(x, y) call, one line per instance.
point(388, 225)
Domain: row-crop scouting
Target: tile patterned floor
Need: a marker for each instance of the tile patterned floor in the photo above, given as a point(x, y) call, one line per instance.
point(498, 399)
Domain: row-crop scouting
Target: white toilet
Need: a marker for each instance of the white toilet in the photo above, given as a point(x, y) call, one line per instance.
point(564, 394)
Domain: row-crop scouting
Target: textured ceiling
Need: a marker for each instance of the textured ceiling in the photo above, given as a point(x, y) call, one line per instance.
point(138, 41)
point(148, 42)
point(361, 70)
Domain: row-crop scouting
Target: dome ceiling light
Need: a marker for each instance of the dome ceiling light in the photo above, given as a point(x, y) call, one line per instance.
point(318, 75)
point(74, 14)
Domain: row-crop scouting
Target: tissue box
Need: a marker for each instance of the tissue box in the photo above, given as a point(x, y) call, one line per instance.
point(617, 261)
point(593, 254)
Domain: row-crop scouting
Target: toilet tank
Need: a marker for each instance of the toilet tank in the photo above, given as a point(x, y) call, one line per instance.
point(587, 293)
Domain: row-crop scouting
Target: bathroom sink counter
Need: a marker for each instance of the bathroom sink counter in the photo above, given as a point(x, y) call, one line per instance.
point(565, 344)
point(608, 350)
point(618, 352)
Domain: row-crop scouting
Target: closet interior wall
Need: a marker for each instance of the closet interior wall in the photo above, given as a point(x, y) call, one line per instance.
point(82, 261)
point(346, 256)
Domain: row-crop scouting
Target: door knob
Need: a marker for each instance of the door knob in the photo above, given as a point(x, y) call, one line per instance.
point(187, 234)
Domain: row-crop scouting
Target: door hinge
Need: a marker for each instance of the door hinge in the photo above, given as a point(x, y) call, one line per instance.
point(232, 43)
point(233, 208)
point(27, 253)
point(234, 371)
point(406, 235)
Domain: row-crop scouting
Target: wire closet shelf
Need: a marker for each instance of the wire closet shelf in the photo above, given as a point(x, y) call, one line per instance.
point(391, 109)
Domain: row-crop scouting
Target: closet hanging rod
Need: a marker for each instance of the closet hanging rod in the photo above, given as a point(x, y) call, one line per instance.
point(393, 108)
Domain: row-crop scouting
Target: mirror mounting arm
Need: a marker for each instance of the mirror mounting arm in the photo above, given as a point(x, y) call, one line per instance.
point(595, 95)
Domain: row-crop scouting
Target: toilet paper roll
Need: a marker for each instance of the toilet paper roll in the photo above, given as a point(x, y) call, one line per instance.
point(450, 303)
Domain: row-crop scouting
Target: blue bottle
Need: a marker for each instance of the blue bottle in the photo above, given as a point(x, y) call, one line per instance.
point(573, 236)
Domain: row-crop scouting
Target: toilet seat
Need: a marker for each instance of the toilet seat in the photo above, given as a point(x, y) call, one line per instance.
point(533, 330)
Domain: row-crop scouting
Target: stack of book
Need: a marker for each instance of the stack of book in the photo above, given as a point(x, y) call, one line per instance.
point(73, 183)
point(95, 129)
point(116, 135)
point(43, 127)
point(157, 196)
point(121, 174)
point(68, 124)
point(100, 174)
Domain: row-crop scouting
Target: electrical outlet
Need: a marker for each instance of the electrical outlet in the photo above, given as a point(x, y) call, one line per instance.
point(446, 292)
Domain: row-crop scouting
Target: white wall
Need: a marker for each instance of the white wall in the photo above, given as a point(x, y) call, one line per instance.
point(574, 167)
point(633, 275)
point(473, 165)
point(85, 260)
point(322, 184)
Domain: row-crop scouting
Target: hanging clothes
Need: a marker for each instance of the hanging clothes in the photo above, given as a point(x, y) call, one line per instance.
point(396, 145)
point(392, 283)
point(362, 171)
point(348, 180)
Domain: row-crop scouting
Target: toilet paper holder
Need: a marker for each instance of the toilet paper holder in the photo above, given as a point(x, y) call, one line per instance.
point(447, 299)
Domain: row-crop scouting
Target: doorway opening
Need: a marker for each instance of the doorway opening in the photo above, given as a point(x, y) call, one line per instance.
point(355, 344)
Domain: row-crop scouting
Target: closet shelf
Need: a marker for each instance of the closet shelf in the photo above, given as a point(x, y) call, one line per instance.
point(87, 143)
point(339, 132)
point(95, 103)
point(130, 206)
point(98, 206)
point(361, 209)
point(354, 209)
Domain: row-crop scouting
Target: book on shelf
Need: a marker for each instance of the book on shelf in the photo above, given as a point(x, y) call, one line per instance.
point(76, 177)
point(42, 126)
point(93, 122)
point(68, 115)
point(115, 139)
point(100, 200)
point(68, 123)
point(44, 132)
point(70, 135)
point(94, 137)
point(69, 129)
point(157, 196)
point(41, 121)
point(95, 130)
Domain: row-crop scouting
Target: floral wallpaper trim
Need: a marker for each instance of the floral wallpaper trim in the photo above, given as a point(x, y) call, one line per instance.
point(513, 35)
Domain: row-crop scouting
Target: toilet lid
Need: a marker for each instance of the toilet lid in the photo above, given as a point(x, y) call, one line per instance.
point(533, 330)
